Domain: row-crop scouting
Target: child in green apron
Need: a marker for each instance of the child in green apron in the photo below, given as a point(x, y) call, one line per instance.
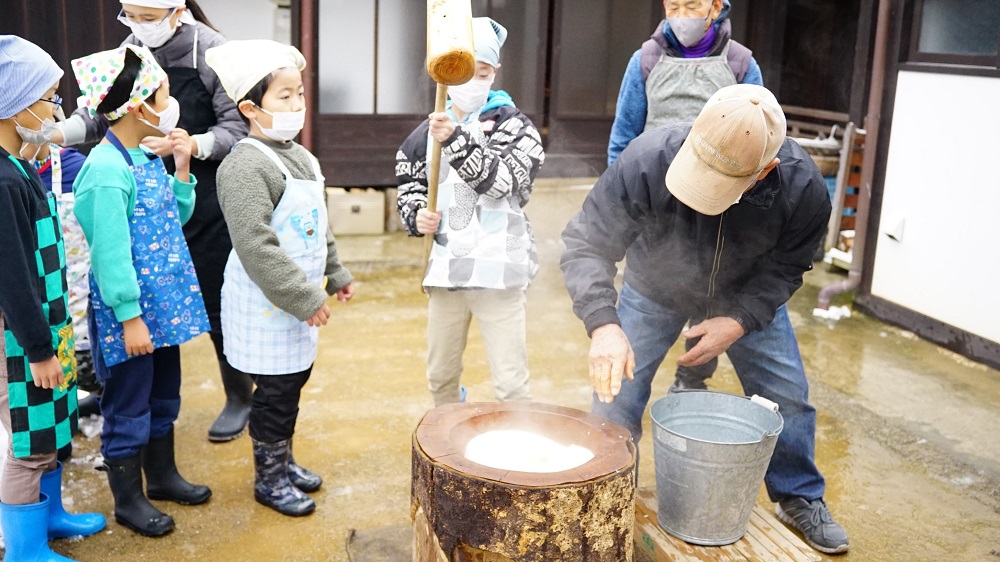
point(145, 297)
point(284, 263)
point(38, 373)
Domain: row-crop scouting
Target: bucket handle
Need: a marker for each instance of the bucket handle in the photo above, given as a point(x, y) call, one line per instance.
point(764, 402)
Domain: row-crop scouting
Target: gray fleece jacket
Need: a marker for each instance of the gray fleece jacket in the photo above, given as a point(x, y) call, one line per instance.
point(250, 187)
point(179, 52)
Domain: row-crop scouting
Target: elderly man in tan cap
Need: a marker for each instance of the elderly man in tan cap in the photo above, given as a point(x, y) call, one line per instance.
point(719, 221)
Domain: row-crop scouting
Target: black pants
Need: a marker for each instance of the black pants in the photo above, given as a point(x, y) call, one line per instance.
point(275, 406)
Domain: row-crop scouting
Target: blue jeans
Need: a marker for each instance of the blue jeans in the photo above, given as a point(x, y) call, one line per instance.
point(767, 363)
point(141, 399)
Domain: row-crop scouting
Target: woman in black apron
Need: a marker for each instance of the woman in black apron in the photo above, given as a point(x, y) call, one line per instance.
point(178, 34)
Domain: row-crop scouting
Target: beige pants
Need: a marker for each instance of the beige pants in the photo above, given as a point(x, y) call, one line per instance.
point(501, 318)
point(19, 484)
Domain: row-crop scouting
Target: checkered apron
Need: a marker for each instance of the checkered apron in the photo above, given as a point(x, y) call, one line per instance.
point(170, 296)
point(43, 421)
point(77, 254)
point(261, 338)
point(483, 242)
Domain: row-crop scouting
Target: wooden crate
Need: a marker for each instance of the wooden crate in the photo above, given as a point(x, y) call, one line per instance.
point(767, 540)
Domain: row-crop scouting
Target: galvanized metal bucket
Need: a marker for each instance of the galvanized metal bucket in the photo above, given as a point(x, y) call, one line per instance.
point(711, 451)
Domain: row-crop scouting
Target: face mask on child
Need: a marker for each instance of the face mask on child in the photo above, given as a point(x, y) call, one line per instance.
point(470, 96)
point(152, 34)
point(37, 136)
point(689, 31)
point(168, 117)
point(285, 125)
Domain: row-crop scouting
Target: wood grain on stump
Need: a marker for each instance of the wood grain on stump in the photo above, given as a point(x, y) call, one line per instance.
point(475, 512)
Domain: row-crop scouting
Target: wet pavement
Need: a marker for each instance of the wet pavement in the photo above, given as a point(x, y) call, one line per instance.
point(907, 431)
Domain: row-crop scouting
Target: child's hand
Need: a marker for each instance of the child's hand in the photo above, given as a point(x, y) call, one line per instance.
point(180, 147)
point(428, 222)
point(159, 145)
point(47, 374)
point(346, 293)
point(137, 339)
point(442, 126)
point(321, 317)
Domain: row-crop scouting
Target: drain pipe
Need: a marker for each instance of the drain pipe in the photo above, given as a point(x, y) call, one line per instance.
point(868, 166)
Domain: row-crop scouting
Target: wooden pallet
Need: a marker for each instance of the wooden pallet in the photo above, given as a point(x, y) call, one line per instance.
point(767, 540)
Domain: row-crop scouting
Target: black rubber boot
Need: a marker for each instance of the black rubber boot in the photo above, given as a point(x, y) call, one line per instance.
point(232, 422)
point(303, 479)
point(90, 405)
point(86, 378)
point(272, 486)
point(163, 482)
point(132, 509)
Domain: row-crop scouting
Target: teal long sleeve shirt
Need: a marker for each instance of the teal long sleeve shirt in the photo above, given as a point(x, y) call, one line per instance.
point(105, 192)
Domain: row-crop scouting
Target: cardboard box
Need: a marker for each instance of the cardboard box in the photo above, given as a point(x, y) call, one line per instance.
point(356, 211)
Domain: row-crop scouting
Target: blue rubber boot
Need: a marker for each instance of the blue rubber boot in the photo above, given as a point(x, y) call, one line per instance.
point(62, 524)
point(24, 530)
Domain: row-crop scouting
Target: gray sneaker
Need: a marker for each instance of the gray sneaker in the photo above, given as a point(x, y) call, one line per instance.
point(814, 521)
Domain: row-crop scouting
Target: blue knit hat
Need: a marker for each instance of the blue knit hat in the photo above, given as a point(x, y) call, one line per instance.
point(26, 74)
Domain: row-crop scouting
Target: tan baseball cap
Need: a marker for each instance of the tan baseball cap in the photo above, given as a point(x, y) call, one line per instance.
point(737, 134)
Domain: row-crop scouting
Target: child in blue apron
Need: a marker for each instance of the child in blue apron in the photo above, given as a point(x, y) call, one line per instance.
point(284, 263)
point(145, 297)
point(37, 363)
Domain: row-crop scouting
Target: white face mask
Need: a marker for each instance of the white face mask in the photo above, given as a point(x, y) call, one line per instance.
point(152, 34)
point(168, 117)
point(689, 31)
point(470, 96)
point(285, 125)
point(37, 136)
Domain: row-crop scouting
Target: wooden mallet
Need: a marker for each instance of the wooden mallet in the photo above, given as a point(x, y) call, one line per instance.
point(451, 60)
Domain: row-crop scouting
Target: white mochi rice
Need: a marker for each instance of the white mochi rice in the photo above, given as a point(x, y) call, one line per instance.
point(524, 451)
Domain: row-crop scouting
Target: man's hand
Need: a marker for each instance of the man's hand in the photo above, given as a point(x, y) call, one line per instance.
point(716, 334)
point(428, 222)
point(442, 126)
point(610, 356)
point(321, 317)
point(346, 293)
point(47, 374)
point(137, 339)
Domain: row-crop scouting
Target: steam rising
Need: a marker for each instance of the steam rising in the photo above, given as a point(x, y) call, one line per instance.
point(524, 451)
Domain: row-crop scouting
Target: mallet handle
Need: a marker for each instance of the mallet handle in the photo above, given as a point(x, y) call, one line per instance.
point(434, 169)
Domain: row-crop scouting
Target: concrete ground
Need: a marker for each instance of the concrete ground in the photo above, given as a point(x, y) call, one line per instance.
point(906, 434)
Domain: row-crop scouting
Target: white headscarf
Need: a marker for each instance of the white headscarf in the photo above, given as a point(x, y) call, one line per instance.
point(241, 65)
point(488, 36)
point(186, 17)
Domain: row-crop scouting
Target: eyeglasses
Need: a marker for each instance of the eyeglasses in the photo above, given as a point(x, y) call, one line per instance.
point(55, 100)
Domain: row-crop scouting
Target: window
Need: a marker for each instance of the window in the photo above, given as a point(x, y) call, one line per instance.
point(963, 32)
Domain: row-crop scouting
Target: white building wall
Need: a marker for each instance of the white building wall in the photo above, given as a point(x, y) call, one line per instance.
point(248, 19)
point(939, 238)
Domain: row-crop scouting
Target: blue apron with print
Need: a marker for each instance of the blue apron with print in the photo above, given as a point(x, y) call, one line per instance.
point(170, 295)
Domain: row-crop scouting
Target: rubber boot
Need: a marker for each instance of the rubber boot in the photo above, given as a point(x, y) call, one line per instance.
point(693, 378)
point(62, 524)
point(132, 509)
point(86, 377)
point(232, 422)
point(24, 530)
point(302, 478)
point(163, 482)
point(90, 405)
point(272, 486)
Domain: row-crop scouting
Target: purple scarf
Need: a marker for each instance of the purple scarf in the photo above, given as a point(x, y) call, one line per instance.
point(703, 47)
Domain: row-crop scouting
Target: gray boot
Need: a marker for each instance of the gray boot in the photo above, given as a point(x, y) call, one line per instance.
point(272, 486)
point(235, 415)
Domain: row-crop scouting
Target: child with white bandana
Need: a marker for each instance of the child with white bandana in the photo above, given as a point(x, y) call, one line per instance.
point(284, 264)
